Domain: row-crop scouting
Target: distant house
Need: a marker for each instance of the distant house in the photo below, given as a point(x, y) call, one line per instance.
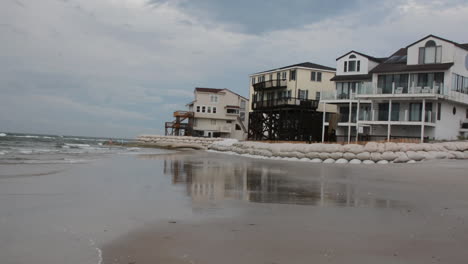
point(219, 113)
point(285, 102)
point(420, 91)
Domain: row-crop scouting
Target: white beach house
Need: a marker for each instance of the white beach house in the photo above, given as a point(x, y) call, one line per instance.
point(420, 91)
point(219, 113)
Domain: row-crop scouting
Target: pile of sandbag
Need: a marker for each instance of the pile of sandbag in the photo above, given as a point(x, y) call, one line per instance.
point(177, 141)
point(370, 153)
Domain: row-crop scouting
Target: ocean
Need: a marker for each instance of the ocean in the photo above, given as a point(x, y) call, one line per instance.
point(20, 148)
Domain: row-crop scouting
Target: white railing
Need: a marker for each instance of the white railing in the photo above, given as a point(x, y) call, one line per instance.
point(438, 88)
point(403, 116)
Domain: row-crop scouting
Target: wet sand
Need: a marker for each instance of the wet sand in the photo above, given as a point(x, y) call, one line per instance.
point(199, 207)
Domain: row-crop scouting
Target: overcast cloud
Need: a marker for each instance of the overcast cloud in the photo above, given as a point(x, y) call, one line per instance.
point(120, 67)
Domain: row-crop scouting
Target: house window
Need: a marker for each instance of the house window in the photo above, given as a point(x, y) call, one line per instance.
point(195, 122)
point(466, 114)
point(198, 109)
point(430, 53)
point(238, 127)
point(284, 75)
point(213, 121)
point(319, 76)
point(439, 110)
point(228, 121)
point(313, 76)
point(209, 110)
point(242, 104)
point(289, 93)
point(242, 116)
point(214, 109)
point(317, 96)
point(454, 110)
point(292, 75)
point(253, 80)
point(232, 111)
point(203, 109)
point(214, 98)
point(352, 64)
point(303, 94)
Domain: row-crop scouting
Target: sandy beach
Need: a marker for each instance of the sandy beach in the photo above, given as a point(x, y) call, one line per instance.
point(200, 207)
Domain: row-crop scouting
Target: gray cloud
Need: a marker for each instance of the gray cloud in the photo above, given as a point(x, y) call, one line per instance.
point(119, 67)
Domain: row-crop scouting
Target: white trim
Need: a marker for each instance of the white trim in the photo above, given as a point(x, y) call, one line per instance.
point(285, 69)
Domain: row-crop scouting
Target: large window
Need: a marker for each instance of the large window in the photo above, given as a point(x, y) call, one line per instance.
point(214, 98)
point(430, 53)
point(385, 83)
point(303, 94)
point(292, 75)
point(415, 111)
point(459, 83)
point(383, 112)
point(352, 65)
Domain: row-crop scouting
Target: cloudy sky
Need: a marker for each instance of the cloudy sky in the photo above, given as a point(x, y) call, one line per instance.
point(120, 67)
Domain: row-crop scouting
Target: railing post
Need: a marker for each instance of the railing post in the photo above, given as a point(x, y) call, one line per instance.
point(393, 87)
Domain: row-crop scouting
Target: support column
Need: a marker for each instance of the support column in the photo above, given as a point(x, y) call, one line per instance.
point(389, 119)
point(423, 119)
point(357, 119)
point(323, 123)
point(349, 121)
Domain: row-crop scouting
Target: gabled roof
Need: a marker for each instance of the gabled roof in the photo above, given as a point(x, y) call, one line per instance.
point(364, 55)
point(216, 90)
point(303, 65)
point(463, 46)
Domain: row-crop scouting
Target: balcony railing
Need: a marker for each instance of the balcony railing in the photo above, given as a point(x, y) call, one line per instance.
point(270, 84)
point(436, 88)
point(285, 102)
point(402, 116)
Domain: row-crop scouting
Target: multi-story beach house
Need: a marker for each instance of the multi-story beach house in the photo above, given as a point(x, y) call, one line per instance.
point(219, 113)
point(285, 101)
point(420, 91)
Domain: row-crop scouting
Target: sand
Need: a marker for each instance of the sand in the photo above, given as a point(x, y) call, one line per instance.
point(199, 207)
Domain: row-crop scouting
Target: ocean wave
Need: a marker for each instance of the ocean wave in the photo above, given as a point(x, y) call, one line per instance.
point(3, 135)
point(3, 152)
point(70, 145)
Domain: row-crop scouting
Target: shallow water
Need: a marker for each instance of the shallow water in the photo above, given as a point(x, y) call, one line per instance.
point(116, 206)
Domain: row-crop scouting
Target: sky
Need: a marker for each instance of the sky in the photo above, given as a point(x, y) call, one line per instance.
point(119, 68)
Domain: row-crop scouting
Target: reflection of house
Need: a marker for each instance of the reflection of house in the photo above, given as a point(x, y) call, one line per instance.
point(211, 181)
point(420, 91)
point(219, 113)
point(285, 102)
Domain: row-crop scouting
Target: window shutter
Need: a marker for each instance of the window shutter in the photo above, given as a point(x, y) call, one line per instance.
point(345, 66)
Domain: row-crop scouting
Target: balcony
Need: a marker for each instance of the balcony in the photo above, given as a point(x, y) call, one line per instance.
point(272, 84)
point(400, 117)
point(405, 91)
point(285, 103)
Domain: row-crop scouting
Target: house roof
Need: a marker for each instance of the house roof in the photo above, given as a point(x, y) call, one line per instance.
point(355, 77)
point(303, 65)
point(216, 90)
point(364, 55)
point(463, 46)
point(403, 67)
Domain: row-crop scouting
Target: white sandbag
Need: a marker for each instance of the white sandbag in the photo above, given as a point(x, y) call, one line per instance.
point(316, 160)
point(349, 156)
point(376, 156)
point(353, 148)
point(336, 155)
point(382, 162)
point(355, 161)
point(312, 155)
point(324, 155)
point(412, 155)
point(363, 155)
point(371, 147)
point(389, 156)
point(368, 162)
point(341, 161)
point(329, 161)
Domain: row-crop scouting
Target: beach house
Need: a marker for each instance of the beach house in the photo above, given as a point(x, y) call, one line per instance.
point(420, 91)
point(285, 102)
point(219, 113)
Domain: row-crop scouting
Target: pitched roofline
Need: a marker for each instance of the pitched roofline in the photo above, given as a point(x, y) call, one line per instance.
point(362, 54)
point(437, 37)
point(219, 90)
point(298, 66)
